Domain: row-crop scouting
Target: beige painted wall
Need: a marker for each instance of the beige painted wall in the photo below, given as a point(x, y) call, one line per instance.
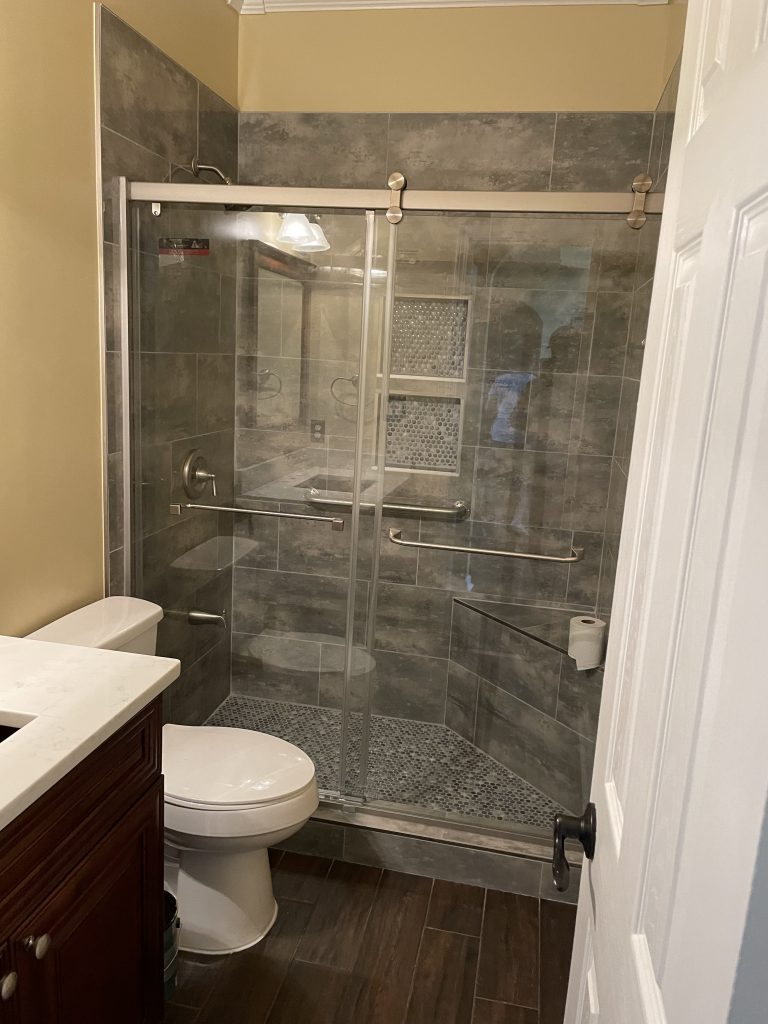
point(459, 59)
point(50, 396)
point(201, 35)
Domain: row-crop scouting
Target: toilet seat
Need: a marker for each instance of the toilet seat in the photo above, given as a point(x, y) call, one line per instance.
point(227, 783)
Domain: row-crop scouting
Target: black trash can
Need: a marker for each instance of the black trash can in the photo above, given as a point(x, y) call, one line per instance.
point(171, 925)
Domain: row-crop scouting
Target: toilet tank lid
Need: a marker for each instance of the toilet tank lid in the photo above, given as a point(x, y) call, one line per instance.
point(110, 623)
point(213, 766)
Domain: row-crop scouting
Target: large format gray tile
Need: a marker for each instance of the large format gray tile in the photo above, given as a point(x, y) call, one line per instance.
point(144, 95)
point(600, 152)
point(550, 412)
point(168, 397)
point(461, 702)
point(609, 340)
point(595, 415)
point(199, 691)
point(519, 488)
point(586, 492)
point(180, 307)
point(122, 158)
point(276, 668)
point(539, 749)
point(413, 620)
point(168, 575)
point(216, 396)
point(313, 150)
point(439, 860)
point(217, 143)
point(292, 604)
point(485, 152)
point(578, 701)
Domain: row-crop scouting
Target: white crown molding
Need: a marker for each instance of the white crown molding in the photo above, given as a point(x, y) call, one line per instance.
point(276, 6)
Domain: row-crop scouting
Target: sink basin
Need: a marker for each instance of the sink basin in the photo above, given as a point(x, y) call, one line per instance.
point(11, 722)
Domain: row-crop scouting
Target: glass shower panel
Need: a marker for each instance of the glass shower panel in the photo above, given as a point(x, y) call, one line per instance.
point(247, 351)
point(506, 403)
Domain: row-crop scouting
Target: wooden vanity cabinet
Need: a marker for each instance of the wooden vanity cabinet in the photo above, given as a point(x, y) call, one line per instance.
point(81, 882)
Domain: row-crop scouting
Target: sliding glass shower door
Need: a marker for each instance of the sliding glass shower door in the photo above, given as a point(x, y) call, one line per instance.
point(254, 333)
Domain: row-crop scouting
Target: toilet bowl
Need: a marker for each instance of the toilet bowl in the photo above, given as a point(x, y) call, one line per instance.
point(230, 794)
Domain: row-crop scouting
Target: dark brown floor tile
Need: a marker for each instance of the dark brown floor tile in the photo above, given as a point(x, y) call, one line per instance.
point(179, 1014)
point(196, 978)
point(274, 857)
point(557, 923)
point(455, 907)
point(298, 877)
point(509, 961)
point(310, 994)
point(378, 987)
point(248, 985)
point(489, 1012)
point(337, 924)
point(444, 980)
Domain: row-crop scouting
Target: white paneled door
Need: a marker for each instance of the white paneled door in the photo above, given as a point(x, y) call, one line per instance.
point(681, 773)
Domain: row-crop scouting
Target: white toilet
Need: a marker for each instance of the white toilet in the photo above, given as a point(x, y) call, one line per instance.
point(229, 795)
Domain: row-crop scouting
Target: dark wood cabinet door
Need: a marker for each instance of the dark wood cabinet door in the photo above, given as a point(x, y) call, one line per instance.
point(9, 997)
point(103, 933)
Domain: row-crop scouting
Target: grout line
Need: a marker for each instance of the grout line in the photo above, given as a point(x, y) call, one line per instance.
point(479, 953)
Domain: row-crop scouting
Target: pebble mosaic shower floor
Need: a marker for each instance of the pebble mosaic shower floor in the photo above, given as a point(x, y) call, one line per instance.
point(418, 763)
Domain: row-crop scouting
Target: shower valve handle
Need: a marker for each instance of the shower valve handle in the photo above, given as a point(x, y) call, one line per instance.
point(569, 827)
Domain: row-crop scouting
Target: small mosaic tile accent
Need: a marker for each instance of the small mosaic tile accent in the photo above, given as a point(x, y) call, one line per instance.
point(418, 763)
point(423, 433)
point(429, 337)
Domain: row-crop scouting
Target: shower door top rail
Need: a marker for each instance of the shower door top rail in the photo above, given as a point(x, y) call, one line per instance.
point(379, 199)
point(576, 555)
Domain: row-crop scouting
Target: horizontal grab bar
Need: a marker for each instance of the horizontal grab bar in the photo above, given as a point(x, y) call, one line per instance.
point(396, 537)
point(336, 524)
point(458, 510)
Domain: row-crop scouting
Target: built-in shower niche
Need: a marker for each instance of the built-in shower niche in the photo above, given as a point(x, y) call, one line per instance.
point(428, 370)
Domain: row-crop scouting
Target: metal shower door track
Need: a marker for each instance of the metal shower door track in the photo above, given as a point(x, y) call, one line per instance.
point(380, 199)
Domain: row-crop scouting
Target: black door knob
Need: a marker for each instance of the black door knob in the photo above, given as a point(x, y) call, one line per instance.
point(568, 827)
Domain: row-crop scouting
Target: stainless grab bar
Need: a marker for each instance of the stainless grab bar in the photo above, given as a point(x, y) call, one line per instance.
point(458, 510)
point(396, 537)
point(336, 524)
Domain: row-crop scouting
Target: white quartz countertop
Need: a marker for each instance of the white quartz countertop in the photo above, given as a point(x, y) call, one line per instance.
point(71, 699)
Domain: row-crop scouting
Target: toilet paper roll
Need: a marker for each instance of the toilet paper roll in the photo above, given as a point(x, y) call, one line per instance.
point(585, 641)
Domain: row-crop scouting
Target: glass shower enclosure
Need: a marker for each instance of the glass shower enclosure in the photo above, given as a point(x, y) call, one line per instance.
point(376, 466)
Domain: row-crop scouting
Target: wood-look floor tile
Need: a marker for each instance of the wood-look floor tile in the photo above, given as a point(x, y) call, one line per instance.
point(274, 857)
point(378, 987)
point(310, 994)
point(489, 1012)
point(455, 907)
point(298, 877)
point(337, 924)
point(509, 958)
point(444, 979)
point(196, 978)
point(251, 980)
point(557, 924)
point(180, 1014)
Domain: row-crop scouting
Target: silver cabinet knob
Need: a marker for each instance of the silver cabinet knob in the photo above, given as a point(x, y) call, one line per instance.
point(39, 945)
point(8, 984)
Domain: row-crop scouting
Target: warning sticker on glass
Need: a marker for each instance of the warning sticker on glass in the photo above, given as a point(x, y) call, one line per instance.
point(184, 246)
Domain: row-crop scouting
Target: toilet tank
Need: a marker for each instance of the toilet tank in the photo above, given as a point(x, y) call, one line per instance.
point(114, 624)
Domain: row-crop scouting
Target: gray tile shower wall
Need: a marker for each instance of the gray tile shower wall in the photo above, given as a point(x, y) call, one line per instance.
point(551, 305)
point(533, 152)
point(524, 703)
point(155, 117)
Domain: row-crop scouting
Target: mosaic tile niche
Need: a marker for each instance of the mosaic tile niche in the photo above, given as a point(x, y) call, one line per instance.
point(423, 433)
point(429, 337)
